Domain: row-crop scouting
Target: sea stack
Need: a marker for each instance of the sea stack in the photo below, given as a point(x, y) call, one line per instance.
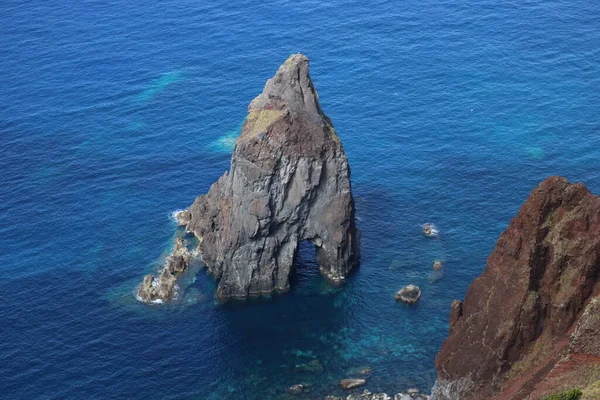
point(289, 181)
point(530, 324)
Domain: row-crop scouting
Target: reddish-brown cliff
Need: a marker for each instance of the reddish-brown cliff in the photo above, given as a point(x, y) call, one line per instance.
point(530, 324)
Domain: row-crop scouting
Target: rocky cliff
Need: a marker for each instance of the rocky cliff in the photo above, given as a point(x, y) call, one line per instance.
point(530, 324)
point(289, 181)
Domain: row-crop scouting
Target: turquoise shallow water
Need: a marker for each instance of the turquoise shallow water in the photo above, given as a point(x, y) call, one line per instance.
point(115, 115)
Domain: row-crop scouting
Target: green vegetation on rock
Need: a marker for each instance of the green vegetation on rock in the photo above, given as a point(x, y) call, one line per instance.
point(573, 394)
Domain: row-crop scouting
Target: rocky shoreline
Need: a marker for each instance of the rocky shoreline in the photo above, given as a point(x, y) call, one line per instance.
point(528, 326)
point(411, 394)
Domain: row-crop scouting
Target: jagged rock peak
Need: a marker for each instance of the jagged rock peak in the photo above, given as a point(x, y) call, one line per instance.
point(289, 181)
point(288, 115)
point(510, 337)
point(292, 88)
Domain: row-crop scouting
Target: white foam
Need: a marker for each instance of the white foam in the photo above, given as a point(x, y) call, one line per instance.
point(138, 298)
point(173, 215)
point(136, 293)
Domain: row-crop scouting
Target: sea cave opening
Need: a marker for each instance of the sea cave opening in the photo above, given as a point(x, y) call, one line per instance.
point(306, 266)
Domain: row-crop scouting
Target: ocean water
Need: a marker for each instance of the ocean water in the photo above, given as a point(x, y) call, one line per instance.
point(115, 114)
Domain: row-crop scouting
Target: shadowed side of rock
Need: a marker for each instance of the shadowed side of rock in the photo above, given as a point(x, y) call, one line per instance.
point(289, 181)
point(524, 317)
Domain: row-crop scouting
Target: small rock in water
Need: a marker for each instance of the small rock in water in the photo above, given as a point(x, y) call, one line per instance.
point(352, 383)
point(437, 265)
point(296, 389)
point(409, 294)
point(366, 371)
point(430, 230)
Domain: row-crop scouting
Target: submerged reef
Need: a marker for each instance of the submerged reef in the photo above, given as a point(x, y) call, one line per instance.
point(289, 181)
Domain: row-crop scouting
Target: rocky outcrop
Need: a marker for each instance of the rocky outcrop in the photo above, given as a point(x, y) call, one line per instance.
point(289, 181)
point(409, 294)
point(530, 321)
point(158, 289)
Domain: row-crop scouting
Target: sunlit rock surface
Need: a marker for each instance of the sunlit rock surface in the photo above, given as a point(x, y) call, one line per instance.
point(289, 181)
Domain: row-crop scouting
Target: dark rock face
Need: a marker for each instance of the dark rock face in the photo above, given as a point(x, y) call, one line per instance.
point(289, 181)
point(523, 318)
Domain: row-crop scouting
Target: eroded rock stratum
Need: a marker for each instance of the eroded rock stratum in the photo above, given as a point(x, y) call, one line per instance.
point(289, 181)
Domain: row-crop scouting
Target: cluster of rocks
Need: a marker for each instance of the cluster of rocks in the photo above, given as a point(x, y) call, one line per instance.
point(411, 294)
point(411, 394)
point(544, 274)
point(359, 379)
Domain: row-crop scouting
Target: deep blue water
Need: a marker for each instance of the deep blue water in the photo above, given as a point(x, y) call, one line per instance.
point(114, 114)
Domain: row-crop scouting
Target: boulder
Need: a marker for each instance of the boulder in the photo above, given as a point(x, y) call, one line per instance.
point(352, 383)
point(409, 294)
